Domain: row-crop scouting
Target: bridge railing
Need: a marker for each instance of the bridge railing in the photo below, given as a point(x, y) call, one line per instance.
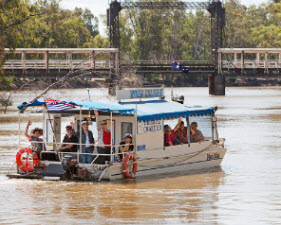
point(62, 59)
point(59, 64)
point(165, 62)
point(251, 64)
point(249, 58)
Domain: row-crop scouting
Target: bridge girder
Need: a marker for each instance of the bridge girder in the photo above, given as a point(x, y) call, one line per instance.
point(165, 5)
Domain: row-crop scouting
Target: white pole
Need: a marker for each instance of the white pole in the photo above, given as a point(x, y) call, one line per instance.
point(111, 147)
point(80, 132)
point(188, 130)
point(19, 130)
point(212, 125)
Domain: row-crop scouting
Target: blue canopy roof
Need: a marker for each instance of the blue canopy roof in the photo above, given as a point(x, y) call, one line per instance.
point(106, 107)
point(35, 103)
point(146, 110)
point(161, 109)
point(199, 111)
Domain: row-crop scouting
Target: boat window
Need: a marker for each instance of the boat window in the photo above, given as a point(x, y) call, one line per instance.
point(204, 125)
point(126, 128)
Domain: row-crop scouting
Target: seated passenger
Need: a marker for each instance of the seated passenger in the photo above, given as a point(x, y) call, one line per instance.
point(181, 133)
point(69, 138)
point(195, 135)
point(170, 135)
point(126, 146)
point(36, 142)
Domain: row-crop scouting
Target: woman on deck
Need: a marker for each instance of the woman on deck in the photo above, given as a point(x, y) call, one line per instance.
point(195, 134)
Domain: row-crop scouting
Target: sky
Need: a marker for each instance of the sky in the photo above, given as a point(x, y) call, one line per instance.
point(98, 7)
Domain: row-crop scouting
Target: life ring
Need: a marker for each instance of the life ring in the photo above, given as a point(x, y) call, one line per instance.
point(27, 165)
point(125, 166)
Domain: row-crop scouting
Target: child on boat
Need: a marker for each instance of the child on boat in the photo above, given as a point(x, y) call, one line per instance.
point(170, 135)
point(126, 145)
point(36, 142)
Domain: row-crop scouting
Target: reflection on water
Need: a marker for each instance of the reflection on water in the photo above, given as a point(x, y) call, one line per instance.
point(247, 190)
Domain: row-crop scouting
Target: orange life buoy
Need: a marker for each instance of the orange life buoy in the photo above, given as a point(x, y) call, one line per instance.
point(27, 165)
point(125, 165)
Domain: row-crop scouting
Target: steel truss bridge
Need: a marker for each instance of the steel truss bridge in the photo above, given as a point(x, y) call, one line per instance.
point(55, 62)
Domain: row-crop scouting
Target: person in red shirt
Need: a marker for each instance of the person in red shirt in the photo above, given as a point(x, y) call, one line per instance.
point(181, 133)
point(170, 135)
point(104, 140)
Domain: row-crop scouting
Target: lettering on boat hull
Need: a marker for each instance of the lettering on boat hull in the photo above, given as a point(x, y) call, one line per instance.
point(213, 156)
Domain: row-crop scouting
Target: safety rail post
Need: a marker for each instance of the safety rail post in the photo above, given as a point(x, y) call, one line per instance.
point(19, 129)
point(23, 61)
point(111, 146)
point(188, 130)
point(266, 62)
point(70, 63)
point(235, 59)
point(242, 62)
point(46, 61)
point(212, 123)
point(258, 59)
point(80, 133)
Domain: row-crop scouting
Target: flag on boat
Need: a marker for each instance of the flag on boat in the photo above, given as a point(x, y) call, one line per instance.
point(178, 66)
point(57, 105)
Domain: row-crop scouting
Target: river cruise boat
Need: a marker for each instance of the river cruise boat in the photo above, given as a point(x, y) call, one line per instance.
point(142, 115)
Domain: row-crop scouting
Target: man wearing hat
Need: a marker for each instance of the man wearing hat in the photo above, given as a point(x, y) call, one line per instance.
point(104, 140)
point(87, 142)
point(126, 145)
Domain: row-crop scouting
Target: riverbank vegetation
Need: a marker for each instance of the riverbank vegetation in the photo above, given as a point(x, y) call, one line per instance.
point(144, 34)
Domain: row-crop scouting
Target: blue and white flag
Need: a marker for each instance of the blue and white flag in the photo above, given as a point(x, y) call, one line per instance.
point(178, 66)
point(57, 105)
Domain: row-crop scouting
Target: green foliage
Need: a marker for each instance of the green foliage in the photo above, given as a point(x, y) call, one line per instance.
point(43, 24)
point(158, 34)
point(166, 34)
point(60, 28)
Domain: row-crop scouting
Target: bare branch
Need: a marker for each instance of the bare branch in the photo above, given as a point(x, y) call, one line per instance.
point(21, 22)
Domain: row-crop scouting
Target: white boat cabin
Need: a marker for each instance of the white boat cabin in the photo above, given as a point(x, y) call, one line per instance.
point(140, 112)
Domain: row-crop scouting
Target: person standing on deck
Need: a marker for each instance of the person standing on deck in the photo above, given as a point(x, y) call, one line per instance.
point(37, 143)
point(88, 142)
point(104, 140)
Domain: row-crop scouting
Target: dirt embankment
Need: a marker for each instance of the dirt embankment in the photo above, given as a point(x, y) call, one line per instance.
point(140, 81)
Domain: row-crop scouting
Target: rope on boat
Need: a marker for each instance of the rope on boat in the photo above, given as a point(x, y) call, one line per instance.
point(172, 164)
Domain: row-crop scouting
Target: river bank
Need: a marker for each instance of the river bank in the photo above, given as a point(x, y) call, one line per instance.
point(138, 81)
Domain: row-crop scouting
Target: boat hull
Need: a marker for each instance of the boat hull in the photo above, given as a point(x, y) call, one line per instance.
point(190, 162)
point(177, 159)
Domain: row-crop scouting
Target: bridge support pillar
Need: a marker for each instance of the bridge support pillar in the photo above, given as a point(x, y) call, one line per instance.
point(216, 84)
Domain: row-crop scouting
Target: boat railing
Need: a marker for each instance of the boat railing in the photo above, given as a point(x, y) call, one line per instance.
point(113, 153)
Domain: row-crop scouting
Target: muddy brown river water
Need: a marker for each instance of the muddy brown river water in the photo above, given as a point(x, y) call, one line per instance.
point(246, 190)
